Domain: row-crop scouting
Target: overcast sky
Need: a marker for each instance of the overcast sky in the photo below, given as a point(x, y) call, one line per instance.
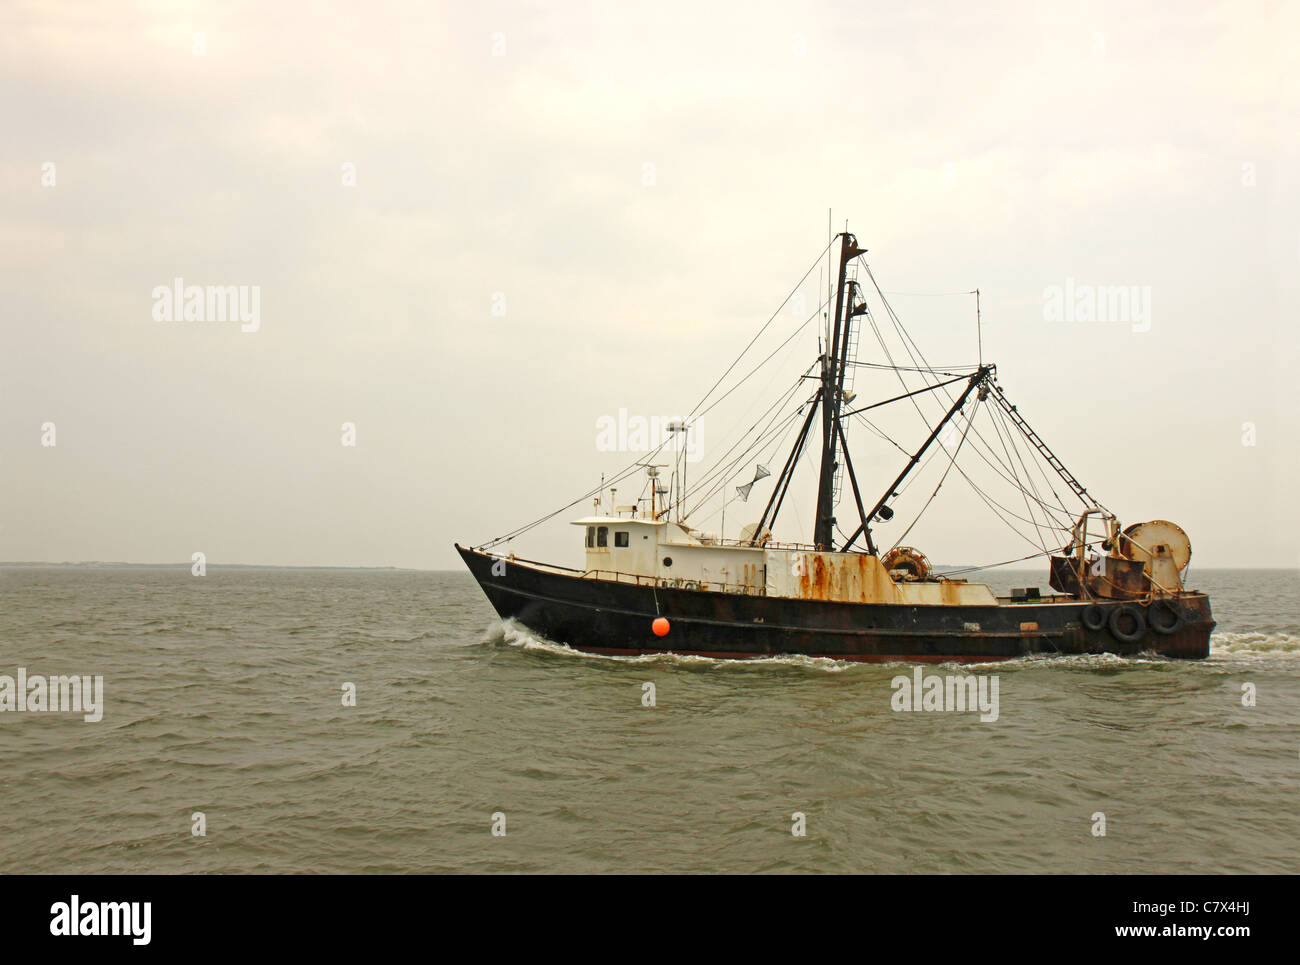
point(643, 184)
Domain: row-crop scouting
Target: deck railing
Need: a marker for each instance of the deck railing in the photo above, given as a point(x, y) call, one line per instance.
point(769, 545)
point(640, 579)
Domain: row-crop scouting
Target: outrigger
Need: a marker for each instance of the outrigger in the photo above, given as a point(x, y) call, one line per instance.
point(652, 583)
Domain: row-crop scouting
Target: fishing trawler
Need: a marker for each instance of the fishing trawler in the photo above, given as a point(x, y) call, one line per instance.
point(652, 582)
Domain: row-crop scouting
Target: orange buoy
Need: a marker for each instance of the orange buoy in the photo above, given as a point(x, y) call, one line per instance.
point(660, 626)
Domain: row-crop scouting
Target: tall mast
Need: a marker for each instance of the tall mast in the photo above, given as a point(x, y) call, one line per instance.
point(830, 239)
point(831, 398)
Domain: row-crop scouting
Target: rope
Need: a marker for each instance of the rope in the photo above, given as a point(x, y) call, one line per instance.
point(816, 262)
point(991, 566)
point(624, 473)
point(970, 420)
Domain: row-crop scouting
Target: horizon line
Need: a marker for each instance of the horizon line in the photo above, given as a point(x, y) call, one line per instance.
point(416, 569)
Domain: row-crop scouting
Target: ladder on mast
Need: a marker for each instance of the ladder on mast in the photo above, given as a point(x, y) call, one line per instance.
point(850, 356)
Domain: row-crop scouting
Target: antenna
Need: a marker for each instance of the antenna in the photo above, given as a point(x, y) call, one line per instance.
point(830, 243)
point(819, 295)
point(679, 458)
point(652, 471)
point(979, 329)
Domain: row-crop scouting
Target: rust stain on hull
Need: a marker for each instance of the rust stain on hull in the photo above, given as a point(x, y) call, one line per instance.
point(843, 577)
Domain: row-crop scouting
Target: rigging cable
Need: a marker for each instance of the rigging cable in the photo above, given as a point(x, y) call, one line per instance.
point(1001, 400)
point(990, 566)
point(970, 420)
point(1048, 512)
point(622, 474)
point(722, 378)
point(1023, 492)
point(718, 476)
point(1006, 471)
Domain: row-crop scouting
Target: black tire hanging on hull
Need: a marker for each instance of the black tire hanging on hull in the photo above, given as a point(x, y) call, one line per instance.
point(1093, 617)
point(1127, 612)
point(1168, 625)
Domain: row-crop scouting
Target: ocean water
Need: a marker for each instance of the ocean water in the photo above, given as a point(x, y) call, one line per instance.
point(223, 695)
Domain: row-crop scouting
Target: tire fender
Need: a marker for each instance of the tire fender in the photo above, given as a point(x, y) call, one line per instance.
point(1093, 617)
point(1117, 618)
point(1175, 621)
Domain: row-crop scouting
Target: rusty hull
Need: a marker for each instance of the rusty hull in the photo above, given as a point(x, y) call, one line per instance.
point(604, 616)
point(844, 577)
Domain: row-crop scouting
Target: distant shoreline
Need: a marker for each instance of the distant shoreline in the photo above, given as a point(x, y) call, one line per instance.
point(97, 565)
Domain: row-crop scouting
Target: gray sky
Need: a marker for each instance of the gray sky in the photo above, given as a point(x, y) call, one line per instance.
point(1013, 147)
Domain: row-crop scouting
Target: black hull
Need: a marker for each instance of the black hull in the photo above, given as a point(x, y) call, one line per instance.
point(603, 616)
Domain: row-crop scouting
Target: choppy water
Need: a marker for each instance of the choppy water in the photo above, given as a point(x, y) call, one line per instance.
point(223, 695)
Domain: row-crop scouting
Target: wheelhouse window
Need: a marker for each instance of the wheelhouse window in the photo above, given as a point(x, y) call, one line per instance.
point(620, 537)
point(591, 536)
point(602, 536)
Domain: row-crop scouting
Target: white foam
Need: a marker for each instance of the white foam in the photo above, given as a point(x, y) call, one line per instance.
point(516, 635)
point(512, 633)
point(1254, 642)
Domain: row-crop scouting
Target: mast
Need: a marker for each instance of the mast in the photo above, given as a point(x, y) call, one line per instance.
point(830, 240)
point(831, 397)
